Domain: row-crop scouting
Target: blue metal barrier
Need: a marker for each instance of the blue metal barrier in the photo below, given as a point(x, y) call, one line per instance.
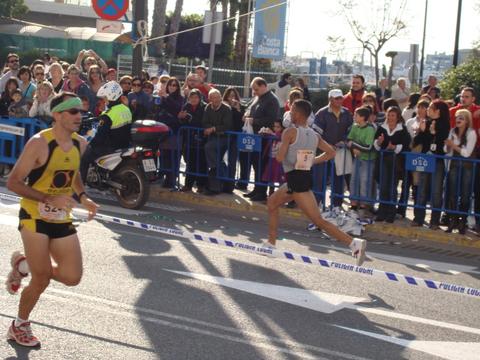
point(14, 134)
point(375, 181)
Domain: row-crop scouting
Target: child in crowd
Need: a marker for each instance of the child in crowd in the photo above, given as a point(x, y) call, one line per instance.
point(41, 102)
point(18, 107)
point(273, 172)
point(360, 141)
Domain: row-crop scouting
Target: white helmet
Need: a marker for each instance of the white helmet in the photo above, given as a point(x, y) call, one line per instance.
point(111, 90)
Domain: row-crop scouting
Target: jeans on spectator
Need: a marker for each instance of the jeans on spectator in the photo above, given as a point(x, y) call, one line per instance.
point(430, 186)
point(407, 183)
point(196, 164)
point(459, 188)
point(388, 183)
point(361, 180)
point(215, 149)
point(232, 162)
point(259, 163)
point(245, 161)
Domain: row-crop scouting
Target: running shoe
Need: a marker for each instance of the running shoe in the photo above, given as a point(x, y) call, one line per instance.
point(22, 334)
point(14, 278)
point(267, 245)
point(358, 247)
point(312, 227)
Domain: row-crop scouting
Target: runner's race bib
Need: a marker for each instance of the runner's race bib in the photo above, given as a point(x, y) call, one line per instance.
point(304, 160)
point(49, 212)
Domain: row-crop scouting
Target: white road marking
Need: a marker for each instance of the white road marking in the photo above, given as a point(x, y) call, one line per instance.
point(310, 299)
point(450, 350)
point(251, 338)
point(316, 300)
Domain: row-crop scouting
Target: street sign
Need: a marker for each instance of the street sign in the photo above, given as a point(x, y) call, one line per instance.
point(111, 27)
point(249, 142)
point(110, 9)
point(420, 162)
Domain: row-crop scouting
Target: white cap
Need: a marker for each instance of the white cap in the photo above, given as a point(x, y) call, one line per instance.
point(334, 93)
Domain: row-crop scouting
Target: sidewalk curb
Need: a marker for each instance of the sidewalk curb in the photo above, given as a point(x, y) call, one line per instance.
point(404, 230)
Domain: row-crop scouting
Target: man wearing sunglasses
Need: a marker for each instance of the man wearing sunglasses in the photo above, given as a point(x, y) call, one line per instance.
point(13, 65)
point(51, 162)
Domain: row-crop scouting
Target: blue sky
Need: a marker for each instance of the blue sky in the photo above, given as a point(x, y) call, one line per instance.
point(322, 19)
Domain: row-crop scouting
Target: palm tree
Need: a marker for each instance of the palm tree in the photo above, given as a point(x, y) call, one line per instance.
point(242, 32)
point(159, 24)
point(174, 27)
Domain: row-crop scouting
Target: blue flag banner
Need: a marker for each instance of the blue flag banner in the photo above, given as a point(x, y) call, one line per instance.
point(269, 35)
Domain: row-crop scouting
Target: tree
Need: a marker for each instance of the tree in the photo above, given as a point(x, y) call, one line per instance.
point(242, 32)
point(384, 23)
point(466, 74)
point(159, 24)
point(12, 8)
point(174, 27)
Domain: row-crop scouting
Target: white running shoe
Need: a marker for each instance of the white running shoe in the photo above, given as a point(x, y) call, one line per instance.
point(312, 227)
point(358, 247)
point(266, 245)
point(14, 278)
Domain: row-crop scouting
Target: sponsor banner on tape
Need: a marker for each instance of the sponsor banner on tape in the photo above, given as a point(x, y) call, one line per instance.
point(305, 259)
point(15, 130)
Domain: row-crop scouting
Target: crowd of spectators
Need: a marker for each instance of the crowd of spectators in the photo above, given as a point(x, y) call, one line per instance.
point(370, 131)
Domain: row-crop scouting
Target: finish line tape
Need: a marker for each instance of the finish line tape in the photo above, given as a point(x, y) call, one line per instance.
point(370, 272)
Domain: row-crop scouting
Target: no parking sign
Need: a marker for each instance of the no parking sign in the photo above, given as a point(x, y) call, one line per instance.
point(110, 9)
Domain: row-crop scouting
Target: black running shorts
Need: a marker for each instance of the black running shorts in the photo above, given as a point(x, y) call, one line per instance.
point(52, 230)
point(299, 181)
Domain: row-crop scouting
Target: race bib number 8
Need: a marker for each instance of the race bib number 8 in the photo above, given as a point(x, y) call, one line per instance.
point(49, 212)
point(304, 160)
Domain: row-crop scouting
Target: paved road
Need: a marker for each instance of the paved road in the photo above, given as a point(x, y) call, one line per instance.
point(150, 296)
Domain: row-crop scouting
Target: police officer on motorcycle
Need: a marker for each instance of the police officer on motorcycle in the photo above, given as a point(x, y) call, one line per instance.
point(113, 130)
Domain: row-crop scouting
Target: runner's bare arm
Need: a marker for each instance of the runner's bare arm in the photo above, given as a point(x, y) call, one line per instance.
point(328, 152)
point(287, 138)
point(29, 160)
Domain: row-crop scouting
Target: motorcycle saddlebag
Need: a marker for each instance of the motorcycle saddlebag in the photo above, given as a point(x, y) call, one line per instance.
point(149, 133)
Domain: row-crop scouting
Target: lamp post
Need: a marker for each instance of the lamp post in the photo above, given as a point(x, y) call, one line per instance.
point(422, 59)
point(457, 33)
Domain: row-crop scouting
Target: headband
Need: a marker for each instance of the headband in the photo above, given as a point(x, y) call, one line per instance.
point(71, 103)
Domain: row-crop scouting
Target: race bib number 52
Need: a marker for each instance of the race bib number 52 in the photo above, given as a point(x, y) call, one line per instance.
point(304, 160)
point(49, 212)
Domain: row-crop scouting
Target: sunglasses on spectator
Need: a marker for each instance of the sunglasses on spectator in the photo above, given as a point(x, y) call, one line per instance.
point(14, 61)
point(460, 118)
point(72, 111)
point(174, 85)
point(137, 84)
point(163, 82)
point(38, 74)
point(148, 87)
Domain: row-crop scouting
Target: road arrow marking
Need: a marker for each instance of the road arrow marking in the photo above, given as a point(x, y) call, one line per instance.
point(309, 299)
point(318, 301)
point(450, 350)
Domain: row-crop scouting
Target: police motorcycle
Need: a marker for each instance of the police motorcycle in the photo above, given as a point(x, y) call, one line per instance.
point(128, 172)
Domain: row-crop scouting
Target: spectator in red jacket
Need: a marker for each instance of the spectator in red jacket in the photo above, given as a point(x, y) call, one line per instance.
point(467, 101)
point(353, 99)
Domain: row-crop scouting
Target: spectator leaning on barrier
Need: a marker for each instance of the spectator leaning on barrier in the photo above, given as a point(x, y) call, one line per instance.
point(11, 85)
point(401, 93)
point(262, 112)
point(429, 137)
point(360, 142)
point(391, 139)
point(26, 85)
point(41, 104)
point(56, 77)
point(217, 119)
point(17, 108)
point(460, 144)
point(353, 98)
point(382, 92)
point(334, 122)
point(12, 65)
point(194, 142)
